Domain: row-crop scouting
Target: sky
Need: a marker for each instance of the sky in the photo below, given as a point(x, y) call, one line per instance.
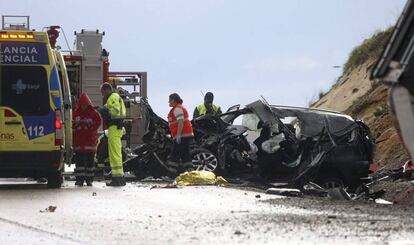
point(238, 49)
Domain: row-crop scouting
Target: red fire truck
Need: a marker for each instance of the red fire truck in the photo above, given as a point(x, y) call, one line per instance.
point(88, 67)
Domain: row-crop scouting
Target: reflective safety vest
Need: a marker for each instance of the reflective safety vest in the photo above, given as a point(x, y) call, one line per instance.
point(116, 106)
point(202, 109)
point(173, 123)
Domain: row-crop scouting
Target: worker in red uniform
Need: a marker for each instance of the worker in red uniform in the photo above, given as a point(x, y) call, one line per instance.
point(182, 133)
point(86, 121)
point(53, 34)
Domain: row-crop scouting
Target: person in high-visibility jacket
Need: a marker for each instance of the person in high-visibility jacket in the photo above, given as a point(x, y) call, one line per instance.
point(182, 133)
point(117, 112)
point(207, 108)
point(86, 121)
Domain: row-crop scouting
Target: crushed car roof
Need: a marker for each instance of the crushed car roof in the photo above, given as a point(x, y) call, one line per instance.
point(312, 121)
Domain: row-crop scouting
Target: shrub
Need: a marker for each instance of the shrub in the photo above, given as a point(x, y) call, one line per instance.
point(370, 48)
point(381, 110)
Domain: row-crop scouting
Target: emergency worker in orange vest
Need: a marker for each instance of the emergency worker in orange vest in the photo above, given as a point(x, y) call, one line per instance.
point(182, 133)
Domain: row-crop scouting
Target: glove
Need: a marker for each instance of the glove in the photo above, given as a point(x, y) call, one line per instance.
point(178, 139)
point(104, 112)
point(89, 122)
point(77, 121)
point(84, 122)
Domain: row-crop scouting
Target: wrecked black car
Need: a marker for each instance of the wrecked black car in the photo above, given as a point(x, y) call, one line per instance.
point(278, 144)
point(293, 145)
point(149, 159)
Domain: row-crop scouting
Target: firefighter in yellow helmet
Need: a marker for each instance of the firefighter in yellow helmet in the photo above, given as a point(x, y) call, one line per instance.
point(117, 112)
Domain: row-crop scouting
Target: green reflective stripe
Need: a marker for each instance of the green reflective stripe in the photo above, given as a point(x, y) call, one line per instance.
point(116, 167)
point(202, 109)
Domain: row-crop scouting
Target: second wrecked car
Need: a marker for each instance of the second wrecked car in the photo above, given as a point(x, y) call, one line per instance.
point(289, 144)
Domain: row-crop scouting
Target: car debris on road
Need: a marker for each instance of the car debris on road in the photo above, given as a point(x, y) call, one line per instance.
point(50, 209)
point(285, 192)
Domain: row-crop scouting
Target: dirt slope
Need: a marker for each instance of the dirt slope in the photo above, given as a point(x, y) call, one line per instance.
point(349, 88)
point(357, 95)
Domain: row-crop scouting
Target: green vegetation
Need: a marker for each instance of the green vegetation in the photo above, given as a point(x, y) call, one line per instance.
point(315, 98)
point(370, 48)
point(381, 110)
point(321, 94)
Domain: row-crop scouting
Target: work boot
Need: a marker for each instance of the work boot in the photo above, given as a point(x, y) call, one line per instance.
point(117, 182)
point(79, 182)
point(122, 181)
point(107, 175)
point(89, 181)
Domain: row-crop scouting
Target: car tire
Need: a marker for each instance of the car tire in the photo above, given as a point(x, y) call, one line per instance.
point(331, 183)
point(55, 180)
point(204, 159)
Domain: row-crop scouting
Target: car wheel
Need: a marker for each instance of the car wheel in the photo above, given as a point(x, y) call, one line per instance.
point(331, 183)
point(55, 180)
point(204, 160)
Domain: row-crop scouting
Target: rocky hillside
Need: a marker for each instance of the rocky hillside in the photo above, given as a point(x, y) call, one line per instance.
point(355, 94)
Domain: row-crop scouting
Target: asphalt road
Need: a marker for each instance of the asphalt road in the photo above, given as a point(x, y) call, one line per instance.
point(139, 214)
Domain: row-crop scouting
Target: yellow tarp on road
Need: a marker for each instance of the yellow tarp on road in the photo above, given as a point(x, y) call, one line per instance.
point(200, 178)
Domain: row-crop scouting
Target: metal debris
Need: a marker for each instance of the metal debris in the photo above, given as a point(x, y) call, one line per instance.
point(285, 192)
point(166, 186)
point(339, 194)
point(404, 194)
point(49, 209)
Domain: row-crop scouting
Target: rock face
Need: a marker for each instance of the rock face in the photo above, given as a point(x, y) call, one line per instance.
point(355, 94)
point(349, 88)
